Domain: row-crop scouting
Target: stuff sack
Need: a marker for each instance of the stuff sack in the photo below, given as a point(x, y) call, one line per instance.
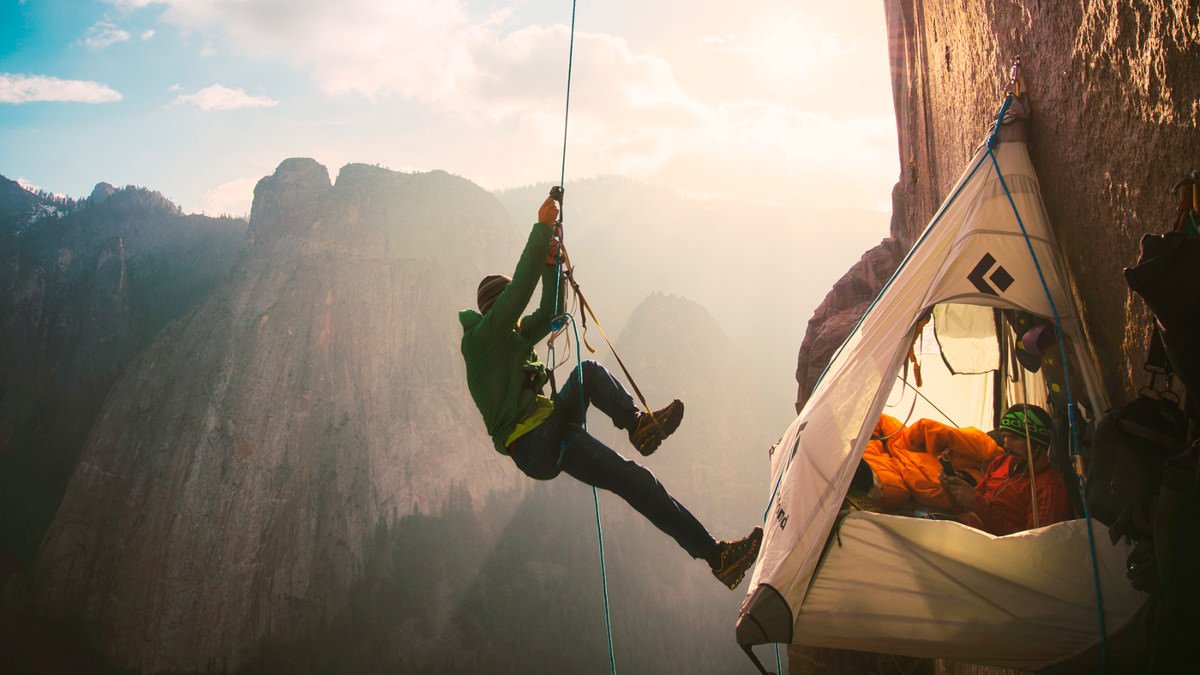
point(1166, 276)
point(1129, 447)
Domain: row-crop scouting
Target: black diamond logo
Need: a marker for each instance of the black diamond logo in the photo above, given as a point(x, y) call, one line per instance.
point(979, 276)
point(1002, 279)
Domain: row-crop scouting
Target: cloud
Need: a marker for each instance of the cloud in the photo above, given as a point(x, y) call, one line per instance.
point(147, 34)
point(418, 49)
point(19, 88)
point(103, 34)
point(775, 154)
point(745, 101)
point(430, 51)
point(219, 97)
point(232, 198)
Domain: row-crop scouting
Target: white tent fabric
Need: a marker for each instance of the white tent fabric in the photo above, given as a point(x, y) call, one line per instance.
point(877, 594)
point(1023, 601)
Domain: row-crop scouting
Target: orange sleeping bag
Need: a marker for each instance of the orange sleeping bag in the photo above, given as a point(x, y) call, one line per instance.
point(905, 460)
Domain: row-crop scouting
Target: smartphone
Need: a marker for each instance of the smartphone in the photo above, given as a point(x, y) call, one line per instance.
point(948, 467)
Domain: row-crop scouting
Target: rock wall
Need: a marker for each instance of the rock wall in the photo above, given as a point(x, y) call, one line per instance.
point(84, 286)
point(1115, 94)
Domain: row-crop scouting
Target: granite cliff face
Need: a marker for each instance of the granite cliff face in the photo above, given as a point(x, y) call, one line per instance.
point(840, 311)
point(83, 287)
point(244, 459)
point(1116, 109)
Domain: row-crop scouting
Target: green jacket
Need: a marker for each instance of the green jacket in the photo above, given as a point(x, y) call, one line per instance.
point(504, 374)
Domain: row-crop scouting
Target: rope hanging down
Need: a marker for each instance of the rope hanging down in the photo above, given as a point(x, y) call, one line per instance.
point(558, 193)
point(1073, 436)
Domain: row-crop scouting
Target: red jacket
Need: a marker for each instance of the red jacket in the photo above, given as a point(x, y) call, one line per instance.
point(1004, 506)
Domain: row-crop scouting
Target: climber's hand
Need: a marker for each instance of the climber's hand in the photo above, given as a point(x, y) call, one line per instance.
point(548, 213)
point(958, 489)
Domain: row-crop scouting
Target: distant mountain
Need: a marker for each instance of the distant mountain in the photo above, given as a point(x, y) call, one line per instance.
point(676, 349)
point(84, 286)
point(20, 208)
point(245, 461)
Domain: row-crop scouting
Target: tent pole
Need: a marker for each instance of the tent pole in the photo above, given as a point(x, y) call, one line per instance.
point(1029, 458)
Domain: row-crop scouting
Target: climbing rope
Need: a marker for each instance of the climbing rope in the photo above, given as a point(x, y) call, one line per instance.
point(1071, 422)
point(612, 662)
point(586, 307)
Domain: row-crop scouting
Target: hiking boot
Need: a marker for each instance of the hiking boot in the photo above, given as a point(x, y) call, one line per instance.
point(732, 558)
point(648, 432)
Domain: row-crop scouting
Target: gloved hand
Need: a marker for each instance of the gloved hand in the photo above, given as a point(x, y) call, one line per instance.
point(548, 213)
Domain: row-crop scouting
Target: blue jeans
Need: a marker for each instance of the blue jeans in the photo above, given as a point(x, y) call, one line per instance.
point(561, 444)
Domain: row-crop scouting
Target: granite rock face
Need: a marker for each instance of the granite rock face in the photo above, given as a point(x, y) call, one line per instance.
point(83, 287)
point(840, 311)
point(243, 460)
point(1116, 109)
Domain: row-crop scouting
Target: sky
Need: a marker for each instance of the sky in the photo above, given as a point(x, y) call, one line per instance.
point(784, 102)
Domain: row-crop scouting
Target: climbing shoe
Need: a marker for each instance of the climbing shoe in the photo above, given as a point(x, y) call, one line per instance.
point(732, 558)
point(648, 432)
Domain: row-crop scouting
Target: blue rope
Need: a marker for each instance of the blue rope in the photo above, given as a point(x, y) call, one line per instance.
point(579, 368)
point(991, 141)
point(612, 661)
point(567, 112)
point(1073, 426)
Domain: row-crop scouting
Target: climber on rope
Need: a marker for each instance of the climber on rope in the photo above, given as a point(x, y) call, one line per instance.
point(543, 436)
